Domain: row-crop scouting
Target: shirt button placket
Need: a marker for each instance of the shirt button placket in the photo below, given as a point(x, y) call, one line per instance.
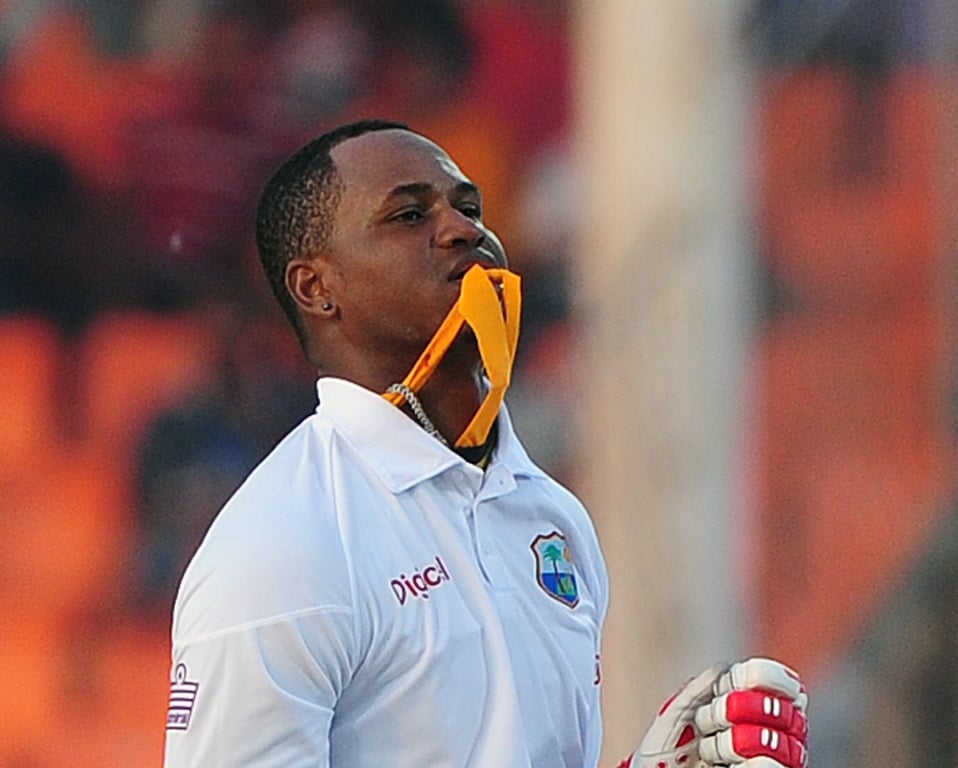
point(489, 552)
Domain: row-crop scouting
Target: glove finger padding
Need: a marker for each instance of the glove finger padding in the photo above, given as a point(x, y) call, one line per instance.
point(764, 675)
point(672, 739)
point(757, 719)
point(752, 707)
point(736, 745)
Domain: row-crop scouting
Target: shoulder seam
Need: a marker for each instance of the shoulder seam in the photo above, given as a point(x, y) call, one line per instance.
point(277, 619)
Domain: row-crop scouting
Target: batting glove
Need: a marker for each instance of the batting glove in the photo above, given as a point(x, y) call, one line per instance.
point(757, 719)
point(750, 714)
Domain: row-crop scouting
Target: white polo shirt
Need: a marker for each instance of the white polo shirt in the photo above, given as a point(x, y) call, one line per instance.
point(367, 598)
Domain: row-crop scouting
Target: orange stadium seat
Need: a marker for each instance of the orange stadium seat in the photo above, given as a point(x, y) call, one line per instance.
point(132, 365)
point(59, 89)
point(118, 720)
point(801, 113)
point(851, 220)
point(31, 667)
point(854, 464)
point(31, 352)
point(64, 537)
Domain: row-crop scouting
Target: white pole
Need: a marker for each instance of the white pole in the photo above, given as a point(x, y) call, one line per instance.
point(665, 309)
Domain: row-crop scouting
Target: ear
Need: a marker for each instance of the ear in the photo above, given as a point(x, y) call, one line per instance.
point(307, 283)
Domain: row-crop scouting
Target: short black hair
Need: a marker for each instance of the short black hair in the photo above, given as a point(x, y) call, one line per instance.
point(295, 213)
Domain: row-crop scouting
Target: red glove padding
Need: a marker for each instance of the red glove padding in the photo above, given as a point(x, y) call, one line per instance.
point(740, 742)
point(750, 714)
point(755, 708)
point(758, 719)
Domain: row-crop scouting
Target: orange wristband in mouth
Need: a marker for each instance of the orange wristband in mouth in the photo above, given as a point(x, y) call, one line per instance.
point(495, 323)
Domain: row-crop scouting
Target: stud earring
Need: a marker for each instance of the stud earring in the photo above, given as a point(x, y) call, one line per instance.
point(327, 305)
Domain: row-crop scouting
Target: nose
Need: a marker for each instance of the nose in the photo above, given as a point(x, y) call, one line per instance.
point(457, 229)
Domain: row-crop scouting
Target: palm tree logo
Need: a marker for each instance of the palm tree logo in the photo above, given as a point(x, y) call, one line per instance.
point(553, 555)
point(554, 571)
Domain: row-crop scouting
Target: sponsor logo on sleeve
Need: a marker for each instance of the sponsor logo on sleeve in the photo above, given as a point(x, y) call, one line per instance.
point(420, 582)
point(554, 572)
point(182, 697)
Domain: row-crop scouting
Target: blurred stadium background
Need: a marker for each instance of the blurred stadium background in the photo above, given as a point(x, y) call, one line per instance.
point(736, 228)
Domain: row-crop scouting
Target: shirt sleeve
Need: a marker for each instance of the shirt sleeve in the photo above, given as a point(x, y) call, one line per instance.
point(263, 630)
point(259, 695)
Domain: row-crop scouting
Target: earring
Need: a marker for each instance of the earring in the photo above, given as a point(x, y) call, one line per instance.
point(327, 305)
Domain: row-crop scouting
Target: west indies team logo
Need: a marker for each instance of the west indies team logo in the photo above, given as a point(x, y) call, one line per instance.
point(554, 570)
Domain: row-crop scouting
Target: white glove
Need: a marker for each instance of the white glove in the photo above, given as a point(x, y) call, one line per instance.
point(750, 714)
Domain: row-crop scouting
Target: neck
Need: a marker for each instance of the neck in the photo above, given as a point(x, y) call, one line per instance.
point(451, 402)
point(451, 396)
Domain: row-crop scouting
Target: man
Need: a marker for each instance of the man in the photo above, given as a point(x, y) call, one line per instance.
point(397, 584)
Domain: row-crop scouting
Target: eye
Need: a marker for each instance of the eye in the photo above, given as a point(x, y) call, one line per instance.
point(410, 216)
point(471, 210)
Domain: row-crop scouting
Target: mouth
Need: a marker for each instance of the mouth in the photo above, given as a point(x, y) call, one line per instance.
point(464, 266)
point(457, 275)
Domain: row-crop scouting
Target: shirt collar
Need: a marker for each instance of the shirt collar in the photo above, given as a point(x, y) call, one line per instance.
point(395, 446)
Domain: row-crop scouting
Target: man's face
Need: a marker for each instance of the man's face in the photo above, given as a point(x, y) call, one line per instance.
point(407, 227)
